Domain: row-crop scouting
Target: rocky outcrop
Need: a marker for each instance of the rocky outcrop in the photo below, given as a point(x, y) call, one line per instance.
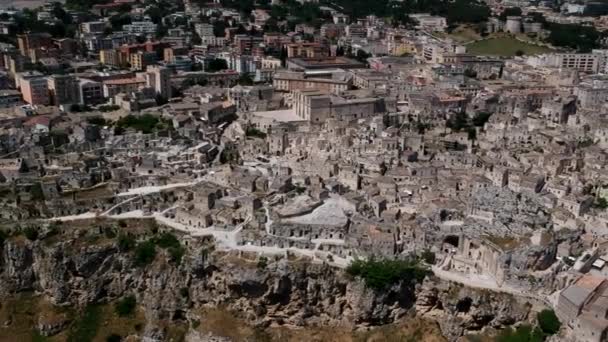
point(461, 310)
point(281, 291)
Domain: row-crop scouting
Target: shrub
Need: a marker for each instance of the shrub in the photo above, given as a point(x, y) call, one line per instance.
point(108, 108)
point(114, 338)
point(146, 123)
point(86, 326)
point(176, 253)
point(184, 292)
point(262, 262)
point(97, 120)
point(379, 274)
point(523, 333)
point(109, 232)
point(125, 243)
point(167, 240)
point(126, 306)
point(145, 253)
point(428, 257)
point(548, 321)
point(31, 233)
point(254, 132)
point(3, 236)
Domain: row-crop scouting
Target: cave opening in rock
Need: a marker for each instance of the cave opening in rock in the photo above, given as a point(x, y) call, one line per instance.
point(179, 315)
point(464, 305)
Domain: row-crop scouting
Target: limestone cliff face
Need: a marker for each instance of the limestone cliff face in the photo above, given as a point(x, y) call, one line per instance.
point(461, 310)
point(284, 292)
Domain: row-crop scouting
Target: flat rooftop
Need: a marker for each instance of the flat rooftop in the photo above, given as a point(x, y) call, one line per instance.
point(284, 115)
point(326, 63)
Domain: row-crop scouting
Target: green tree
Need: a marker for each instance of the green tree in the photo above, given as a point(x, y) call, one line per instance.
point(217, 64)
point(510, 12)
point(125, 306)
point(125, 243)
point(428, 257)
point(114, 338)
point(458, 121)
point(548, 322)
point(601, 203)
point(145, 253)
point(380, 274)
point(245, 79)
point(480, 119)
point(31, 233)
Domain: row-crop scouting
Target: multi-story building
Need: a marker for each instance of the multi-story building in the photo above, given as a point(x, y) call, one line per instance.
point(141, 27)
point(429, 22)
point(332, 30)
point(291, 81)
point(204, 30)
point(587, 62)
point(306, 50)
point(140, 60)
point(93, 27)
point(356, 31)
point(244, 44)
point(10, 98)
point(35, 91)
point(180, 63)
point(111, 58)
point(159, 78)
point(271, 63)
point(316, 106)
point(62, 89)
point(29, 41)
point(90, 92)
point(122, 85)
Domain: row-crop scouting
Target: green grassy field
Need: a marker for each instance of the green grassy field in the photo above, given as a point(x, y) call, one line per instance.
point(504, 46)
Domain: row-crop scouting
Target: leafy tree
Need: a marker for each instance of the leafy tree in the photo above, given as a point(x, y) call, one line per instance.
point(471, 134)
point(97, 120)
point(146, 123)
point(145, 253)
point(245, 79)
point(219, 28)
point(465, 11)
point(601, 203)
point(114, 338)
point(548, 322)
point(480, 119)
point(167, 240)
point(31, 233)
point(458, 121)
point(3, 236)
point(380, 274)
point(262, 262)
point(125, 306)
point(428, 256)
point(196, 39)
point(470, 73)
point(581, 38)
point(510, 12)
point(523, 333)
point(217, 64)
point(156, 13)
point(362, 56)
point(251, 131)
point(117, 21)
point(125, 243)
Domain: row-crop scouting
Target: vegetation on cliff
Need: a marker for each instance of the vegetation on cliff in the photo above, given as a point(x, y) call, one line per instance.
point(380, 274)
point(547, 324)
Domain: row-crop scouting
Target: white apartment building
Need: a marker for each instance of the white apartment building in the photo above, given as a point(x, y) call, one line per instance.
point(140, 27)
